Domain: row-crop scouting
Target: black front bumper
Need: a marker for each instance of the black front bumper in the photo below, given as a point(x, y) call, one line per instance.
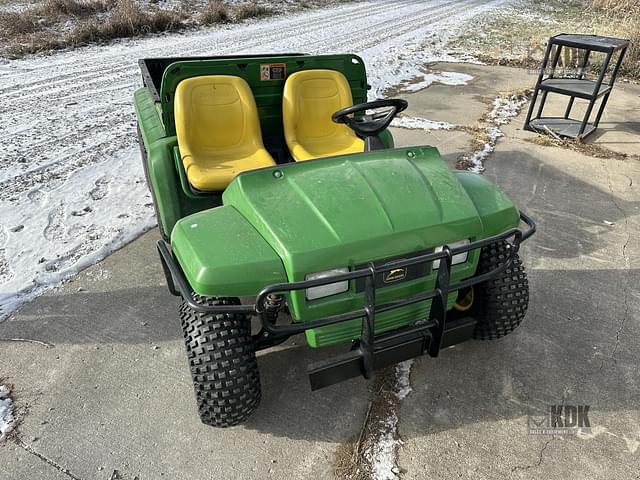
point(427, 335)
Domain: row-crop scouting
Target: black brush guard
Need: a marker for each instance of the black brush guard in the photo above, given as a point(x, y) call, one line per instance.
point(428, 335)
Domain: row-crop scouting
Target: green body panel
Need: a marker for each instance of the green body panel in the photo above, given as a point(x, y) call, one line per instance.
point(355, 208)
point(223, 255)
point(495, 209)
point(151, 127)
point(171, 202)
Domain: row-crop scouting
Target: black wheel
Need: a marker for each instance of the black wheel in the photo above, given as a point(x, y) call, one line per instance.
point(499, 305)
point(223, 364)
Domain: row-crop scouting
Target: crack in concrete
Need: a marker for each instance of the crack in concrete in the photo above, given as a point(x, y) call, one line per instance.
point(540, 458)
point(379, 438)
point(28, 340)
point(52, 463)
point(627, 264)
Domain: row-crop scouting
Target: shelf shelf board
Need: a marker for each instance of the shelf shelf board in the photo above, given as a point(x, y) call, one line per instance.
point(563, 127)
point(593, 42)
point(575, 87)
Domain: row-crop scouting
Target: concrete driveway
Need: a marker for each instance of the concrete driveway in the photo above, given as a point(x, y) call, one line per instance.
point(108, 394)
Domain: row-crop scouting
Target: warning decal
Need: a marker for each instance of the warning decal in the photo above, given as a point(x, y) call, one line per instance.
point(273, 71)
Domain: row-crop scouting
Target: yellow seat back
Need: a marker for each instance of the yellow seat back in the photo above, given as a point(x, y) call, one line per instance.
point(218, 130)
point(309, 100)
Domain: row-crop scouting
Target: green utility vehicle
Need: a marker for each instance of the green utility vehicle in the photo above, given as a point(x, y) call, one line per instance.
point(276, 182)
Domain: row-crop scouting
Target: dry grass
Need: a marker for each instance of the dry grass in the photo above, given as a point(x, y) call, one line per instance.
point(518, 37)
point(58, 24)
point(589, 149)
point(73, 8)
point(216, 11)
point(252, 10)
point(619, 8)
point(47, 14)
point(14, 24)
point(126, 20)
point(625, 14)
point(40, 28)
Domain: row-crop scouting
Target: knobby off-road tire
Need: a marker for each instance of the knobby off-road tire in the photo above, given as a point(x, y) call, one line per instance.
point(500, 304)
point(223, 364)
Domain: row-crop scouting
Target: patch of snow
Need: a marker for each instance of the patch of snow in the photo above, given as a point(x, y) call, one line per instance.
point(67, 118)
point(96, 210)
point(7, 418)
point(445, 78)
point(504, 109)
point(403, 383)
point(419, 123)
point(479, 156)
point(382, 454)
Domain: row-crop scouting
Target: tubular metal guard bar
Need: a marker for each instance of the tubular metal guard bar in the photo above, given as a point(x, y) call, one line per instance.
point(179, 285)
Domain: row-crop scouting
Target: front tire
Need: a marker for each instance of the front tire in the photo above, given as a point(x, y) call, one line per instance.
point(223, 364)
point(500, 304)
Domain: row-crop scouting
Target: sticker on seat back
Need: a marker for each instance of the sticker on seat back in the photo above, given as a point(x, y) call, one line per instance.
point(273, 71)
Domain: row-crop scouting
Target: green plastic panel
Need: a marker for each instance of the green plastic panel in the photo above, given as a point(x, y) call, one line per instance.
point(151, 127)
point(495, 209)
point(221, 254)
point(413, 203)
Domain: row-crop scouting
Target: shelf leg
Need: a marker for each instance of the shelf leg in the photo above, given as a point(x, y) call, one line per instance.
point(554, 64)
point(594, 95)
point(556, 58)
point(585, 62)
point(614, 74)
point(581, 73)
point(541, 106)
point(567, 112)
point(536, 89)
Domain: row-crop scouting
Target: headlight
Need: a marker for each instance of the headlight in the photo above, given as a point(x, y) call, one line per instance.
point(326, 290)
point(459, 258)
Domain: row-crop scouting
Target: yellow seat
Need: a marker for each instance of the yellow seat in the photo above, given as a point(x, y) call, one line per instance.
point(218, 130)
point(309, 100)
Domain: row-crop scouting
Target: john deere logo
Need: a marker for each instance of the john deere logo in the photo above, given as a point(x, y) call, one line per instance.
point(395, 275)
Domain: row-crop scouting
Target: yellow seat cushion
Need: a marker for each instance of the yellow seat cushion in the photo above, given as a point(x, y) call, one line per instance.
point(218, 130)
point(309, 100)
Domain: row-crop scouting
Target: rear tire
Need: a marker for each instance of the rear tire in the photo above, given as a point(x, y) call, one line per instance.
point(223, 363)
point(501, 303)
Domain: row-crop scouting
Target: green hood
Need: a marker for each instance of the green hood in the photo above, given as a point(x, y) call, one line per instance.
point(281, 223)
point(344, 211)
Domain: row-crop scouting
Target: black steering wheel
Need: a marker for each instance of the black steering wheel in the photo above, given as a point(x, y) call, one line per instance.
point(370, 125)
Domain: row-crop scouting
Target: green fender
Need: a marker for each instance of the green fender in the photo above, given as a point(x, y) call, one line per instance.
point(496, 210)
point(223, 255)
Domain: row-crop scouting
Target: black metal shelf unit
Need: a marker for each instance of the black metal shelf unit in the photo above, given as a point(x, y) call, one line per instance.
point(575, 86)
